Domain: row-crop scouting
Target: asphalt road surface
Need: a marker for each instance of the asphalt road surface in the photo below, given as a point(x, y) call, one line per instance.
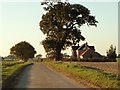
point(39, 75)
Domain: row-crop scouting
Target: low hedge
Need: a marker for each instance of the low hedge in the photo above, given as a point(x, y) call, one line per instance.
point(89, 60)
point(97, 60)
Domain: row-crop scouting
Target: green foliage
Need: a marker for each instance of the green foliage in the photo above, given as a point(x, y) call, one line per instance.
point(49, 46)
point(111, 53)
point(23, 50)
point(10, 57)
point(61, 25)
point(65, 55)
point(6, 64)
point(91, 75)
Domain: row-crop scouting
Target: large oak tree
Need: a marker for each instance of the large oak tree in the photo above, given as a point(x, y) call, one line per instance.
point(23, 50)
point(61, 25)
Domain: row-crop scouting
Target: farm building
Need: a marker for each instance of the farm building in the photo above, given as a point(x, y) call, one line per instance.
point(85, 51)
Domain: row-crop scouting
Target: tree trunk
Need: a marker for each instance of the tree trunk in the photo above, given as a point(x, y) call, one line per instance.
point(58, 54)
point(60, 46)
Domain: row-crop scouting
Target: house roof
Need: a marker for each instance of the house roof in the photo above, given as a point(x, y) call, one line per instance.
point(81, 51)
point(92, 47)
point(81, 47)
point(89, 52)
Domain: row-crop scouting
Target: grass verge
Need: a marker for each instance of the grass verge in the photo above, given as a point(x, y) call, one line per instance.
point(91, 76)
point(10, 70)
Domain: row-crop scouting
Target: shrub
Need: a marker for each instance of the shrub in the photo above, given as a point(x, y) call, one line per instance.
point(97, 60)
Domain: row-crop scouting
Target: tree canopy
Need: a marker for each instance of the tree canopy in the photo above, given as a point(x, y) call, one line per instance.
point(61, 25)
point(23, 50)
point(111, 52)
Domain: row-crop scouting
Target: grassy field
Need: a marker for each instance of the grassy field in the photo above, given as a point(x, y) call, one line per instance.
point(10, 70)
point(109, 67)
point(92, 77)
point(118, 59)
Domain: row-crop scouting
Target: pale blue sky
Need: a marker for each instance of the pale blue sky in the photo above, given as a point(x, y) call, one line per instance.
point(19, 21)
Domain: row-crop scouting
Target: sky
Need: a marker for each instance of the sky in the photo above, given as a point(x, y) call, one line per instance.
point(19, 21)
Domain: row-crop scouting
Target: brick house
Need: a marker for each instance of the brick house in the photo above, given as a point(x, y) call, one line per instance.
point(85, 51)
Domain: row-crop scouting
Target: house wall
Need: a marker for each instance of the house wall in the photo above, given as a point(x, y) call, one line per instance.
point(92, 55)
point(88, 54)
point(79, 52)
